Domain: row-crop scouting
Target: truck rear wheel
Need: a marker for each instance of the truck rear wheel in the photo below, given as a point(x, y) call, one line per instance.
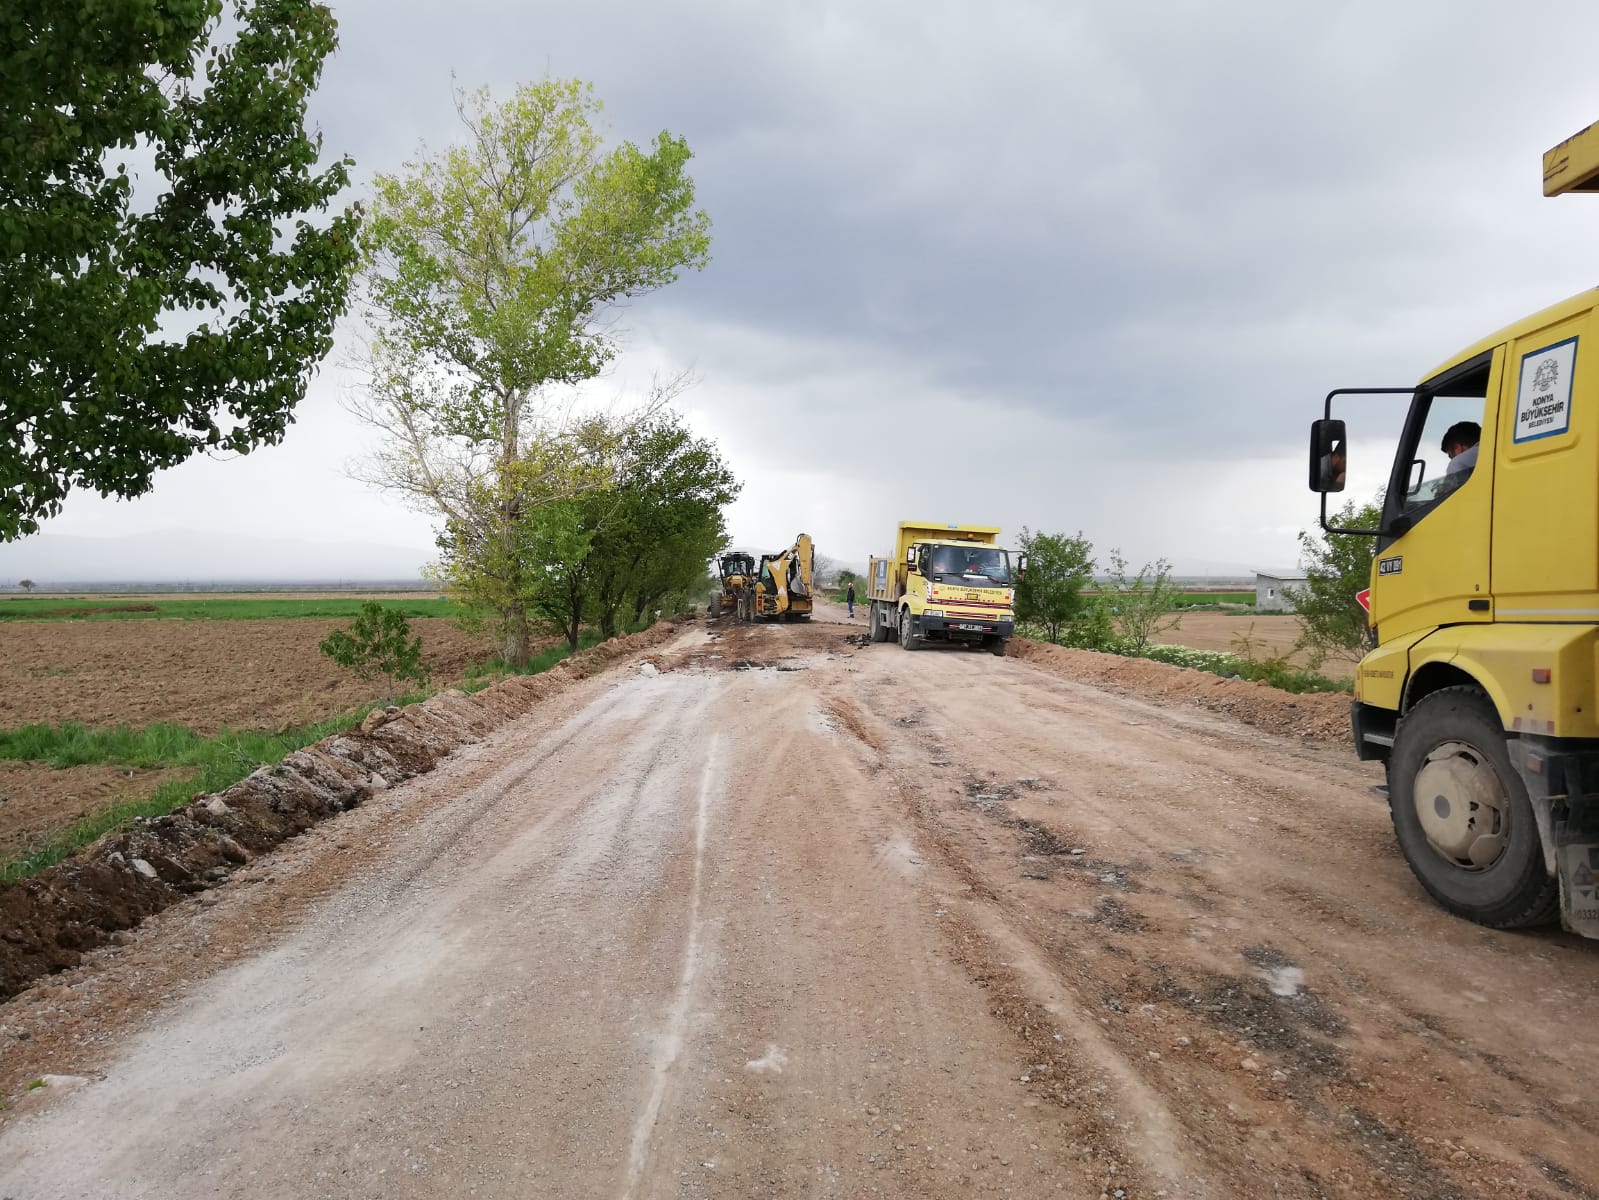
point(1462, 816)
point(907, 639)
point(876, 629)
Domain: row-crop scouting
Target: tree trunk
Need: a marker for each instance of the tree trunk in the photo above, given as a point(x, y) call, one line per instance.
point(516, 629)
point(514, 652)
point(575, 623)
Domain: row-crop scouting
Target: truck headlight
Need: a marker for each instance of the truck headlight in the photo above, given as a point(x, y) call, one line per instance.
point(932, 612)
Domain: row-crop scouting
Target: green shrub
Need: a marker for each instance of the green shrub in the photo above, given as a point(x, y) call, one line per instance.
point(378, 643)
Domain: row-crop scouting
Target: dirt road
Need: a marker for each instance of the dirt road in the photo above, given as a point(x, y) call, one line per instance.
point(776, 914)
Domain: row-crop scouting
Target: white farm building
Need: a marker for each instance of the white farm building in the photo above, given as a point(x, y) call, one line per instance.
point(1269, 587)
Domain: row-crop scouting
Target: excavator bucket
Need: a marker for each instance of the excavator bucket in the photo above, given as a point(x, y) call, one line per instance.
point(1573, 166)
point(800, 577)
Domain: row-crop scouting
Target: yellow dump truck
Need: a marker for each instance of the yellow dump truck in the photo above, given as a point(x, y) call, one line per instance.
point(781, 586)
point(944, 583)
point(1480, 691)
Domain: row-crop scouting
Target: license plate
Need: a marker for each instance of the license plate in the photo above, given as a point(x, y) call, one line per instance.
point(973, 628)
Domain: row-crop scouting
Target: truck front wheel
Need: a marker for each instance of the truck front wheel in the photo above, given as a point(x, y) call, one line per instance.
point(1462, 816)
point(907, 638)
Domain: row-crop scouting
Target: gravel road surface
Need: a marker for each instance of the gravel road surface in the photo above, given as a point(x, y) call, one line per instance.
point(769, 912)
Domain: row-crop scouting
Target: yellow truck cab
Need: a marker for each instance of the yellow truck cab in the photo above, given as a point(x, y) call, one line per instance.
point(948, 583)
point(1480, 691)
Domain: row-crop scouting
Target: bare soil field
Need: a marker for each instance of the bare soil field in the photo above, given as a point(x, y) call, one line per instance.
point(770, 912)
point(1278, 633)
point(137, 597)
point(207, 675)
point(36, 800)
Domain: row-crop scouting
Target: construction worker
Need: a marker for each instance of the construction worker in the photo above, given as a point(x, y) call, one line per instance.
point(849, 599)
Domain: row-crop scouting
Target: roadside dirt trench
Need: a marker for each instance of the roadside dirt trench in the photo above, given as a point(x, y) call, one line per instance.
point(765, 912)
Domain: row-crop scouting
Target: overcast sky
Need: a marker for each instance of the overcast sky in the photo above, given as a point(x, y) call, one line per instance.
point(1066, 266)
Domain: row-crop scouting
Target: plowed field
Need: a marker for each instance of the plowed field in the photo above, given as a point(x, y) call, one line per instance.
point(204, 674)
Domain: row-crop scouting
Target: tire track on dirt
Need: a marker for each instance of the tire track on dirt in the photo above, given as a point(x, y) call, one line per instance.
point(671, 1038)
point(997, 736)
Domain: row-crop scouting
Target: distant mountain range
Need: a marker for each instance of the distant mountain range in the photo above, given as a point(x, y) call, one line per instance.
point(186, 557)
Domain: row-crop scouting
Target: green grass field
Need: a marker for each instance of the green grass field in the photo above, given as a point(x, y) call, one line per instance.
point(1186, 598)
point(209, 764)
point(209, 608)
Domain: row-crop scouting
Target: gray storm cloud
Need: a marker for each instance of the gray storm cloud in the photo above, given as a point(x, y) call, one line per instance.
point(1106, 258)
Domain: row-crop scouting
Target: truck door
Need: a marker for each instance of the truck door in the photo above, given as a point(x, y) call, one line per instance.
point(1434, 570)
point(1546, 524)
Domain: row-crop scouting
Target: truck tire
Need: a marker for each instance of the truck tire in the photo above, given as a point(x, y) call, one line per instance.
point(876, 627)
point(907, 639)
point(996, 645)
point(1462, 816)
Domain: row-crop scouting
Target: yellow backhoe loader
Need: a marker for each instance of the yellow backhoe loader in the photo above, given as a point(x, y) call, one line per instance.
point(736, 572)
point(782, 585)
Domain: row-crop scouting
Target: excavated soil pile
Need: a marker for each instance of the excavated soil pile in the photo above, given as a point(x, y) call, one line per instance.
point(1320, 715)
point(47, 922)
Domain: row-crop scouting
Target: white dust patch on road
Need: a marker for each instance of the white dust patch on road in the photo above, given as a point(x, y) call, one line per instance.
point(901, 855)
point(770, 1063)
point(1285, 981)
point(670, 1042)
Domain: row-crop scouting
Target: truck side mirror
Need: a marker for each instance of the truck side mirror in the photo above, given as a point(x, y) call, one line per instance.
point(1021, 567)
point(910, 555)
point(1328, 456)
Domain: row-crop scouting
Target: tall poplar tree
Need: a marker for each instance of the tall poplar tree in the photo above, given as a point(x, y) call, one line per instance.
point(492, 272)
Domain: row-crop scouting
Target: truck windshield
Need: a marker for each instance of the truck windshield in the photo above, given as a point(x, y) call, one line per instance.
point(981, 564)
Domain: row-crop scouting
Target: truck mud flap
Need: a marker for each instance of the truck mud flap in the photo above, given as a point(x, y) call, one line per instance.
point(1577, 866)
point(1562, 780)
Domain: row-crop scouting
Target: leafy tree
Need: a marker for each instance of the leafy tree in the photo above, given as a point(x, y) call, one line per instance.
point(378, 643)
point(1058, 568)
point(1139, 607)
point(560, 590)
point(613, 553)
point(826, 572)
point(492, 273)
point(642, 545)
point(154, 314)
point(1337, 566)
point(493, 570)
point(664, 520)
point(26, 585)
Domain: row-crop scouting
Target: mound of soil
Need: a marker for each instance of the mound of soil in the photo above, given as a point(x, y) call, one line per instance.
point(47, 922)
point(1320, 715)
